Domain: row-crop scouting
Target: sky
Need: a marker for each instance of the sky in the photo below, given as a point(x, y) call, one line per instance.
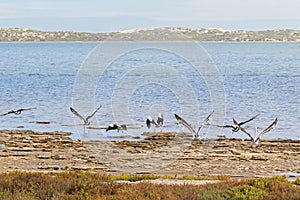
point(116, 15)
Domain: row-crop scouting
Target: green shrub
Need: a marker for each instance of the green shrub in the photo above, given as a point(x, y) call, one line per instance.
point(297, 181)
point(244, 192)
point(264, 183)
point(87, 185)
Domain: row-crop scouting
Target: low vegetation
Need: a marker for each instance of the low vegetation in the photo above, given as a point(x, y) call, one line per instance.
point(136, 177)
point(87, 185)
point(297, 182)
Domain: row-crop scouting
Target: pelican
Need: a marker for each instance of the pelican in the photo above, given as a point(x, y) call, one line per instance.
point(16, 111)
point(158, 123)
point(256, 141)
point(150, 121)
point(237, 126)
point(160, 119)
point(116, 127)
point(188, 126)
point(85, 120)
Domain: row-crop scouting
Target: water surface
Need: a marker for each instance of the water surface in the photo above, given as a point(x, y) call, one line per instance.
point(259, 78)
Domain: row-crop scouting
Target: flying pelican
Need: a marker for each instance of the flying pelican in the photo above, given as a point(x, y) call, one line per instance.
point(85, 120)
point(188, 126)
point(16, 111)
point(236, 126)
point(256, 141)
point(116, 127)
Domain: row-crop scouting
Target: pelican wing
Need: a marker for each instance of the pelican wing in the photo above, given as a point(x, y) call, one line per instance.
point(269, 128)
point(184, 123)
point(23, 109)
point(205, 121)
point(5, 113)
point(244, 122)
point(77, 114)
point(242, 129)
point(88, 117)
point(223, 126)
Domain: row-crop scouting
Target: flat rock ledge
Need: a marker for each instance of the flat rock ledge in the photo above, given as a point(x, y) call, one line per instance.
point(27, 150)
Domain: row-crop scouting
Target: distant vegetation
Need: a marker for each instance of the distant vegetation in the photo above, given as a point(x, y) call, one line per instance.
point(86, 185)
point(156, 34)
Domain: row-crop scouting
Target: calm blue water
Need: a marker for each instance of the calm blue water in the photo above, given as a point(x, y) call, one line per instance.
point(259, 78)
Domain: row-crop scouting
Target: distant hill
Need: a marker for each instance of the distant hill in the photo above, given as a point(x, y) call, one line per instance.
point(155, 34)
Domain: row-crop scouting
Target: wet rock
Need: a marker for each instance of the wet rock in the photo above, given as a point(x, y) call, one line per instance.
point(58, 157)
point(43, 156)
point(42, 122)
point(49, 167)
point(28, 150)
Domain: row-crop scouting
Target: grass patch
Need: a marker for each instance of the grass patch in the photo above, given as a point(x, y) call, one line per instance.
point(134, 177)
point(220, 177)
point(87, 185)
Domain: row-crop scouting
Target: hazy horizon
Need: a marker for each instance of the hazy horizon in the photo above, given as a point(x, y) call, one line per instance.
point(145, 28)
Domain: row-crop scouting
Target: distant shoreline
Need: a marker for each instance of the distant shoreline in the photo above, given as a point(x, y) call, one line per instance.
point(168, 34)
point(76, 41)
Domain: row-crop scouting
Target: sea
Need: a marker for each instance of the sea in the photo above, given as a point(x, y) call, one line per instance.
point(133, 81)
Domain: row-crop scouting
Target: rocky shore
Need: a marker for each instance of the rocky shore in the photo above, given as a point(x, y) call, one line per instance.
point(173, 154)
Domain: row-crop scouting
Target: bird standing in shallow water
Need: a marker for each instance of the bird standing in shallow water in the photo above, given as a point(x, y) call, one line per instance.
point(160, 119)
point(85, 120)
point(158, 123)
point(150, 121)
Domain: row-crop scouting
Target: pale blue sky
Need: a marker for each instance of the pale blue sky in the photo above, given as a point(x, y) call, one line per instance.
point(115, 15)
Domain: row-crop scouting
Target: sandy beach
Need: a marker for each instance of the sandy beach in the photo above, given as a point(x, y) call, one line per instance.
point(55, 152)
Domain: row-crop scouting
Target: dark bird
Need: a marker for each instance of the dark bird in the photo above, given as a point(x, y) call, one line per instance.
point(150, 121)
point(85, 120)
point(188, 126)
point(256, 141)
point(16, 111)
point(236, 126)
point(116, 127)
